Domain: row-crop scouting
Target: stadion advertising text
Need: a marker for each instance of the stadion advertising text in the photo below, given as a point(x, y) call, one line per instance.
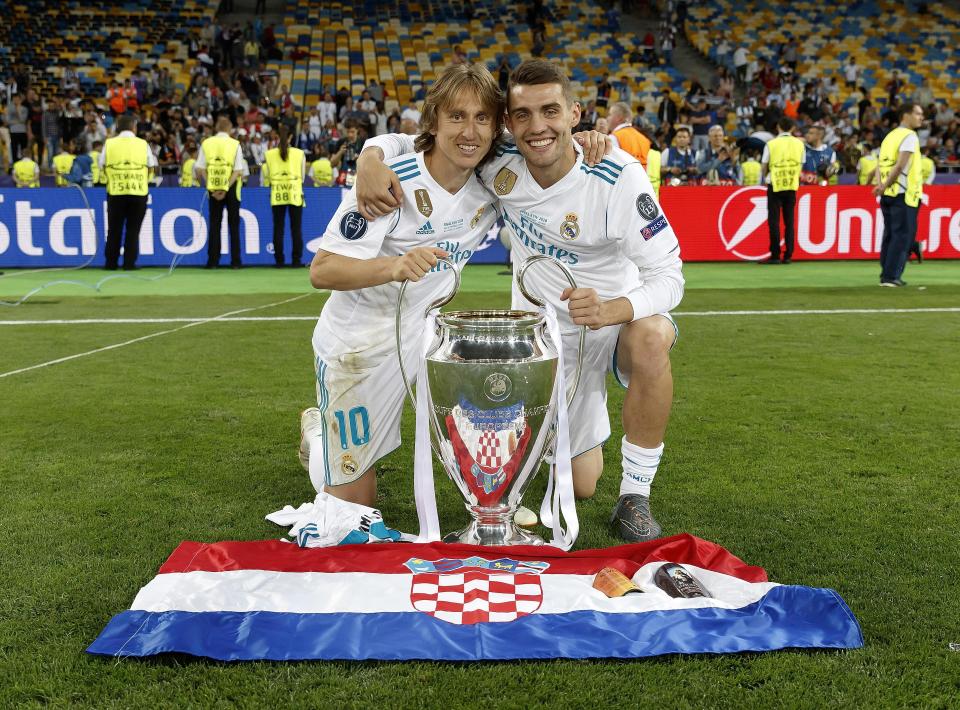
point(53, 226)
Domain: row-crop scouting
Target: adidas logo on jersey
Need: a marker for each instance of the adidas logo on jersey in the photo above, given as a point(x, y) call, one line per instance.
point(426, 228)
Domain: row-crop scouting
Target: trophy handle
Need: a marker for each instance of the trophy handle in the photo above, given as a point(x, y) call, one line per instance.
point(440, 302)
point(530, 261)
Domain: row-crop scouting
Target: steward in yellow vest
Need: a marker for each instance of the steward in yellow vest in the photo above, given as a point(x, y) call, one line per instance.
point(285, 176)
point(62, 164)
point(653, 170)
point(284, 169)
point(866, 167)
point(26, 173)
point(782, 159)
point(900, 188)
point(98, 176)
point(321, 172)
point(220, 166)
point(751, 171)
point(187, 178)
point(128, 163)
point(928, 169)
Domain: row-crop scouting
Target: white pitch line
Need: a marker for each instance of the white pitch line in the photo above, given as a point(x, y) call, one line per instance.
point(261, 319)
point(190, 324)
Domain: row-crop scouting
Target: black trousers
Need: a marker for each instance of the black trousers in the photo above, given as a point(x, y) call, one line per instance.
point(296, 232)
point(785, 203)
point(18, 146)
point(232, 204)
point(124, 211)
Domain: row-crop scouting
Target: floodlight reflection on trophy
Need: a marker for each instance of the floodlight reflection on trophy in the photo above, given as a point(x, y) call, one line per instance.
point(492, 385)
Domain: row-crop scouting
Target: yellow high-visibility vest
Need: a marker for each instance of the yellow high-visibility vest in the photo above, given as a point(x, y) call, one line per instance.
point(125, 163)
point(221, 153)
point(286, 177)
point(25, 171)
point(751, 172)
point(95, 166)
point(786, 158)
point(927, 168)
point(868, 164)
point(889, 153)
point(322, 172)
point(653, 170)
point(187, 178)
point(62, 164)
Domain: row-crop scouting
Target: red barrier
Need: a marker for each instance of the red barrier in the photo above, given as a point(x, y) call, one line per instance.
point(838, 222)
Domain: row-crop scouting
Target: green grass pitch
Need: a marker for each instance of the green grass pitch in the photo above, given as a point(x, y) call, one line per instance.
point(824, 447)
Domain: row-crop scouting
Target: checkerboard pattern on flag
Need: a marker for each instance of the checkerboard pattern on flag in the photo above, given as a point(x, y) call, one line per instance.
point(475, 596)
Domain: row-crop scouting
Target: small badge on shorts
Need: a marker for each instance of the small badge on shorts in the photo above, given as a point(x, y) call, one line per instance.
point(348, 465)
point(423, 202)
point(504, 181)
point(353, 226)
point(647, 208)
point(476, 218)
point(570, 228)
point(497, 387)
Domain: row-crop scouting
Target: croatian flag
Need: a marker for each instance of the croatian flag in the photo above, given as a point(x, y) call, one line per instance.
point(271, 600)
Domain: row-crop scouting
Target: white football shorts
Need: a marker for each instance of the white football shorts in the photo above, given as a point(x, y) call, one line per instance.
point(361, 411)
point(589, 420)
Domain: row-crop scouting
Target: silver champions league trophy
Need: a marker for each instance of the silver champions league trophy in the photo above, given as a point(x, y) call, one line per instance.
point(491, 376)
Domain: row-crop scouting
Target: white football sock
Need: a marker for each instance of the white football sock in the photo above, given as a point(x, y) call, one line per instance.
point(639, 467)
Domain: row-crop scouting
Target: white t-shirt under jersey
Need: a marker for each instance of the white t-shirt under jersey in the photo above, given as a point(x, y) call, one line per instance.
point(603, 223)
point(356, 328)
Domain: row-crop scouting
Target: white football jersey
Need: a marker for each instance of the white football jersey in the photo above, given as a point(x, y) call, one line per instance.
point(356, 328)
point(603, 222)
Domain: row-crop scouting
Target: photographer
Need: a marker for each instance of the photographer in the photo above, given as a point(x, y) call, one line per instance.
point(719, 162)
point(679, 162)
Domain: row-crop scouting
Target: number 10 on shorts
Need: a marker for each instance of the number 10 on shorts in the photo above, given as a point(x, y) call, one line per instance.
point(359, 424)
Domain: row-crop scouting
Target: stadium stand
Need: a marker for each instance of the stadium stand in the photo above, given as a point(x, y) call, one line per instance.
point(187, 64)
point(100, 41)
point(403, 44)
point(880, 36)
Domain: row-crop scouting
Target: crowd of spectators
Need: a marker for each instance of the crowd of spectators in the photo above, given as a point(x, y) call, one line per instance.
point(230, 76)
point(737, 112)
point(747, 96)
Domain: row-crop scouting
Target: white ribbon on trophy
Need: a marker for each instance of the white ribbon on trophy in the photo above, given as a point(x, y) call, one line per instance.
point(559, 499)
point(423, 490)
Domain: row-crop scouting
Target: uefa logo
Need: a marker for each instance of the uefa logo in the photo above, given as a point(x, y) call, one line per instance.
point(497, 387)
point(353, 226)
point(742, 224)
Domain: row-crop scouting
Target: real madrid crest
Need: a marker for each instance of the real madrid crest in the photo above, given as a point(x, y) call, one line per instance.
point(476, 218)
point(497, 387)
point(570, 228)
point(423, 202)
point(348, 465)
point(504, 181)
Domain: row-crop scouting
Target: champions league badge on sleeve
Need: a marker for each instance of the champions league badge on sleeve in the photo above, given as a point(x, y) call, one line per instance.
point(353, 226)
point(647, 207)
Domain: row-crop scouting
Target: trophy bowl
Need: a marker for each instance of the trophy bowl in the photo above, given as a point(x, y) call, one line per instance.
point(491, 380)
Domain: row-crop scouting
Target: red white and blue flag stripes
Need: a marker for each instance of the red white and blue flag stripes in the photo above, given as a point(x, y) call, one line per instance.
point(271, 600)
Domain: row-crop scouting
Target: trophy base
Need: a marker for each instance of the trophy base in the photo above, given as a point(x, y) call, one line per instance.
point(503, 534)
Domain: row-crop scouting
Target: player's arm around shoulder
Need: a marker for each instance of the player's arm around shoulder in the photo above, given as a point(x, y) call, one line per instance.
point(377, 186)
